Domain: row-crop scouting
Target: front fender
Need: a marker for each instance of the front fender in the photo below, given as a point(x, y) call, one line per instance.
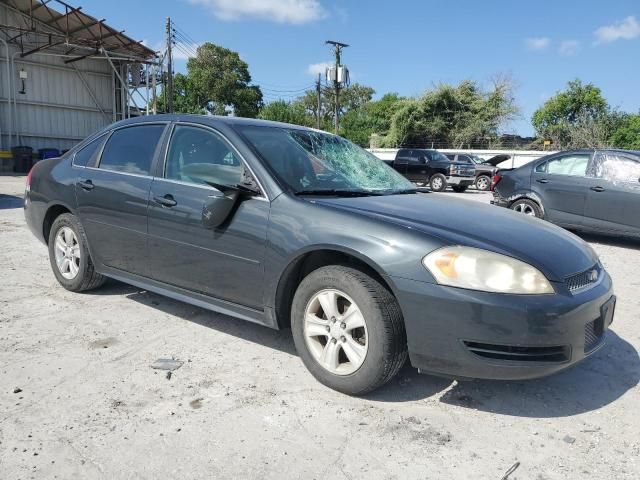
point(298, 227)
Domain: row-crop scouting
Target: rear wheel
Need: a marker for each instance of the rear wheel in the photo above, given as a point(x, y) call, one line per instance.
point(527, 207)
point(69, 255)
point(438, 182)
point(459, 188)
point(483, 183)
point(348, 329)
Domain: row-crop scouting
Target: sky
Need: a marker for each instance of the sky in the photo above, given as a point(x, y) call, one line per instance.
point(408, 46)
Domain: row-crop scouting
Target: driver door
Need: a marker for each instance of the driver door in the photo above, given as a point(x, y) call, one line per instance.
point(224, 262)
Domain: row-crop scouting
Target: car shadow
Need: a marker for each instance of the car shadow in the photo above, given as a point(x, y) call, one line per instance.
point(622, 242)
point(277, 339)
point(594, 383)
point(10, 201)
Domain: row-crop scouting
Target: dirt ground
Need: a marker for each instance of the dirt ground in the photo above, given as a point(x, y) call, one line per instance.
point(78, 398)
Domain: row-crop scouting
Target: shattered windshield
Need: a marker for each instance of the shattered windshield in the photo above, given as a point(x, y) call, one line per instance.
point(310, 161)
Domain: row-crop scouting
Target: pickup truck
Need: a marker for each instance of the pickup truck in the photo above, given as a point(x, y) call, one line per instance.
point(484, 169)
point(430, 167)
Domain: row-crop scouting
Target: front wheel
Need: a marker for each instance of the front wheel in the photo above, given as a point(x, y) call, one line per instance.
point(348, 329)
point(459, 188)
point(438, 182)
point(527, 207)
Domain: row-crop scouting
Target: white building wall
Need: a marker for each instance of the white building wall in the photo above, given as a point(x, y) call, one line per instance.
point(57, 109)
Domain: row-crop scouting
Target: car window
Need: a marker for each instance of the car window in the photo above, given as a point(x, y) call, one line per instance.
point(417, 157)
point(574, 165)
point(87, 154)
point(616, 169)
point(542, 168)
point(464, 159)
point(131, 149)
point(437, 156)
point(200, 156)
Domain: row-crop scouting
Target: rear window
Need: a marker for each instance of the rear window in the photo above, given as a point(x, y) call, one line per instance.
point(87, 154)
point(131, 149)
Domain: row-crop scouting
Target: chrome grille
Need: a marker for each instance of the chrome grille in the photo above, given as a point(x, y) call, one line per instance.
point(583, 279)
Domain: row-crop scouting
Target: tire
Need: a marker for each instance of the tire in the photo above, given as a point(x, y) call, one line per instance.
point(483, 183)
point(78, 273)
point(459, 188)
point(438, 182)
point(527, 207)
point(382, 341)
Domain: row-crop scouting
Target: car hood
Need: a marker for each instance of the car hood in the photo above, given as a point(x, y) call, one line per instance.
point(556, 252)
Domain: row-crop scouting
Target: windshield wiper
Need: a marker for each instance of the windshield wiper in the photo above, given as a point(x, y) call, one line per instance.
point(402, 192)
point(339, 192)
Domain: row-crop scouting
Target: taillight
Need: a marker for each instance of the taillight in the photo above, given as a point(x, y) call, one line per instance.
point(494, 181)
point(28, 183)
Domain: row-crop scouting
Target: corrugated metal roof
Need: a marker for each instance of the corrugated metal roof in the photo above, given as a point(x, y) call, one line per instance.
point(54, 25)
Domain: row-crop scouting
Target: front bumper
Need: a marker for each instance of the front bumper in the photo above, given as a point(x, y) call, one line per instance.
point(462, 181)
point(469, 334)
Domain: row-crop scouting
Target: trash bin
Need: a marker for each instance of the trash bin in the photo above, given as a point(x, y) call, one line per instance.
point(22, 159)
point(48, 153)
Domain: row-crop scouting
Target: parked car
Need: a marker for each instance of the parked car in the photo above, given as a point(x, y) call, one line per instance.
point(286, 226)
point(484, 170)
point(597, 191)
point(430, 167)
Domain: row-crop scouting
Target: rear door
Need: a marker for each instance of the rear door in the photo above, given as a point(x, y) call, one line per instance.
point(417, 166)
point(561, 185)
point(225, 262)
point(401, 162)
point(613, 199)
point(112, 192)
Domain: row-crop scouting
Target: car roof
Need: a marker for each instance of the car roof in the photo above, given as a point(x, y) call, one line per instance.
point(209, 120)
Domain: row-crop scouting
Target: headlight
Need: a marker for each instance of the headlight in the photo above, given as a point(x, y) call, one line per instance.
point(476, 269)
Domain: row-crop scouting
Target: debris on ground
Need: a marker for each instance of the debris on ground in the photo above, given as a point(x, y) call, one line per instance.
point(513, 468)
point(169, 364)
point(17, 390)
point(569, 439)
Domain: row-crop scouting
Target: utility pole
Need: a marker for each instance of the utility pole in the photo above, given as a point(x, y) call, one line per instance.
point(337, 49)
point(169, 67)
point(319, 94)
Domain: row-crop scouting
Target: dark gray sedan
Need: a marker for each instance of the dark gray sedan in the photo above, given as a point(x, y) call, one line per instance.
point(286, 226)
point(596, 191)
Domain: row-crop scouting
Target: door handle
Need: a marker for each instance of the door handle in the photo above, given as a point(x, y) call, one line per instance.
point(598, 189)
point(542, 180)
point(166, 201)
point(86, 185)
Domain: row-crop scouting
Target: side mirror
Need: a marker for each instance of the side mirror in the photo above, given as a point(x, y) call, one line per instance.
point(423, 159)
point(218, 206)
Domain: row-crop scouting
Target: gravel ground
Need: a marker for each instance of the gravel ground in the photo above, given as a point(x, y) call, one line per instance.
point(78, 398)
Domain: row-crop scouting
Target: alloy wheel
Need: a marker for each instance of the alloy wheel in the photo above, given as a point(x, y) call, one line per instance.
point(437, 183)
point(524, 208)
point(482, 183)
point(67, 253)
point(335, 332)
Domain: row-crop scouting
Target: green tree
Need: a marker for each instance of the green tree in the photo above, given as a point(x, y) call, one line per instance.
point(453, 116)
point(372, 117)
point(217, 81)
point(627, 132)
point(569, 113)
point(287, 112)
point(352, 97)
